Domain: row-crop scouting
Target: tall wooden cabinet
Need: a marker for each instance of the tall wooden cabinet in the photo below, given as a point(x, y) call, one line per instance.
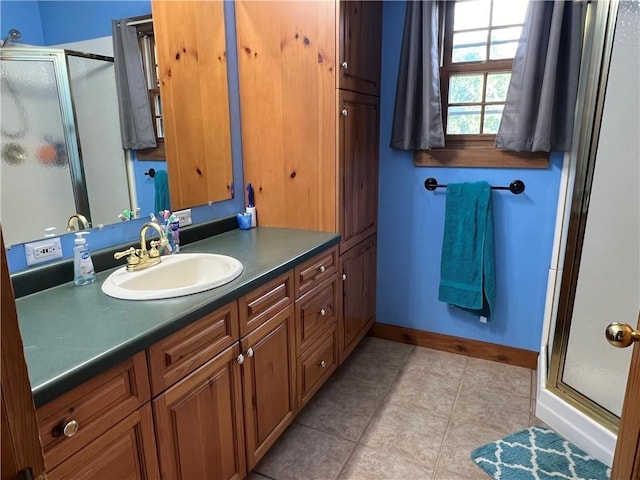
point(309, 98)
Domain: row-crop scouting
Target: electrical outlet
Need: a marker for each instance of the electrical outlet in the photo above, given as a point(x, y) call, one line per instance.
point(43, 251)
point(184, 217)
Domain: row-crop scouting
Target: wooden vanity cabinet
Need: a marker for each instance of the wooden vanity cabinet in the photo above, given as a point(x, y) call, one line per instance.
point(360, 46)
point(199, 422)
point(358, 268)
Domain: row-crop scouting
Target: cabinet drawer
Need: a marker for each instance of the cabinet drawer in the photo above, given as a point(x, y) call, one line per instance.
point(94, 406)
point(127, 450)
point(315, 312)
point(314, 271)
point(317, 364)
point(184, 351)
point(263, 302)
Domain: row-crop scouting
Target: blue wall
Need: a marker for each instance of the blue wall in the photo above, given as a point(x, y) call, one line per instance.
point(411, 221)
point(50, 23)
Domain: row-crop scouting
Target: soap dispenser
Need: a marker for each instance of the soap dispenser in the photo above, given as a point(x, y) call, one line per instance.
point(83, 272)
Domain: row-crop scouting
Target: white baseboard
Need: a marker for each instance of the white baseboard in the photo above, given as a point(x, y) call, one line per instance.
point(572, 424)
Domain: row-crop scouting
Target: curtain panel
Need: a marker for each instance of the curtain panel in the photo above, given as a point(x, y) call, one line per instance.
point(417, 115)
point(540, 106)
point(136, 124)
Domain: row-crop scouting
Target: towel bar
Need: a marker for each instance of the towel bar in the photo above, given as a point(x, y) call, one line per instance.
point(516, 187)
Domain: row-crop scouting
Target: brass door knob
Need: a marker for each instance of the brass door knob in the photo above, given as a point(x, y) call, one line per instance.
point(621, 335)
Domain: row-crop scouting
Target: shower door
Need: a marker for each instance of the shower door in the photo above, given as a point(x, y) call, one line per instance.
point(39, 160)
point(601, 274)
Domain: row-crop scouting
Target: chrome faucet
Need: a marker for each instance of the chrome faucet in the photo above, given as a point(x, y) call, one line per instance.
point(141, 258)
point(80, 221)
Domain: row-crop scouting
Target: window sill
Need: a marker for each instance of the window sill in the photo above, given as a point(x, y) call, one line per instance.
point(479, 157)
point(157, 153)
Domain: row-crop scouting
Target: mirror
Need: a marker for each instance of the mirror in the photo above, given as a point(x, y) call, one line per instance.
point(48, 173)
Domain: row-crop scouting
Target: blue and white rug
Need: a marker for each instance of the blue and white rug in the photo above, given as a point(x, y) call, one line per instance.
point(538, 454)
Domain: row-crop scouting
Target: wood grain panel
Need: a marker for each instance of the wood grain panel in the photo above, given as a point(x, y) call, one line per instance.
point(315, 312)
point(479, 157)
point(315, 271)
point(199, 423)
point(287, 97)
point(126, 451)
point(317, 364)
point(360, 46)
point(21, 448)
point(192, 58)
point(268, 376)
point(96, 406)
point(258, 305)
point(175, 356)
point(464, 346)
point(358, 267)
point(359, 132)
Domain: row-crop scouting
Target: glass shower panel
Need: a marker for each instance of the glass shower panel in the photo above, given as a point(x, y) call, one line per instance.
point(93, 89)
point(34, 165)
point(608, 287)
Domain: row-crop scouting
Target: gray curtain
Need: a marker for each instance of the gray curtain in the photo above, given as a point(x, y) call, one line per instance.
point(539, 111)
point(136, 124)
point(417, 115)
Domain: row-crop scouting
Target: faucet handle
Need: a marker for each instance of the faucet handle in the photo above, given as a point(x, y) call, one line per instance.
point(132, 260)
point(119, 255)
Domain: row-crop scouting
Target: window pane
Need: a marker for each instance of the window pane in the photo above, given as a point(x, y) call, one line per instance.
point(492, 116)
point(508, 12)
point(465, 88)
point(497, 85)
point(463, 120)
point(469, 47)
point(504, 42)
point(474, 14)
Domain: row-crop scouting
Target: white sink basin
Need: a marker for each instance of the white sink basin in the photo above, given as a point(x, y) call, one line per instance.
point(175, 276)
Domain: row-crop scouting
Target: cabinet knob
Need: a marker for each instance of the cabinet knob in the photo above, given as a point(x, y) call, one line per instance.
point(71, 428)
point(344, 112)
point(323, 364)
point(323, 312)
point(250, 352)
point(344, 65)
point(344, 276)
point(321, 269)
point(240, 359)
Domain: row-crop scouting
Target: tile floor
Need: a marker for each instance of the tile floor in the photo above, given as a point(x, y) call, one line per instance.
point(395, 411)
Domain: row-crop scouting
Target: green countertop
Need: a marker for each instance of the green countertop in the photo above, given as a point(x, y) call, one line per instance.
point(72, 334)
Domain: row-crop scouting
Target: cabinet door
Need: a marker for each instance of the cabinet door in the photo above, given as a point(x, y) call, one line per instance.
point(358, 167)
point(126, 451)
point(360, 46)
point(358, 294)
point(268, 375)
point(199, 422)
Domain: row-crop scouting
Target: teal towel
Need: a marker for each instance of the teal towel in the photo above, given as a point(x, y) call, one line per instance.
point(161, 185)
point(467, 269)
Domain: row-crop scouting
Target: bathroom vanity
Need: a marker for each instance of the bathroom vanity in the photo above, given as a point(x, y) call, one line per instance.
point(199, 386)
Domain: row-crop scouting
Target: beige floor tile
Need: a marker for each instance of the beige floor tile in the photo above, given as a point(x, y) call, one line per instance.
point(534, 384)
point(503, 412)
point(409, 432)
point(378, 352)
point(460, 440)
point(425, 360)
point(341, 408)
point(370, 379)
point(498, 377)
point(256, 476)
point(305, 453)
point(370, 464)
point(434, 393)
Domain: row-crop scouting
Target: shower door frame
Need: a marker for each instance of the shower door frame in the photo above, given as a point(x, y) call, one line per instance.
point(67, 114)
point(587, 146)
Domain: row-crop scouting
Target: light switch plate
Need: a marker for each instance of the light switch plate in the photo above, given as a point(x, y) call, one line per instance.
point(184, 217)
point(43, 251)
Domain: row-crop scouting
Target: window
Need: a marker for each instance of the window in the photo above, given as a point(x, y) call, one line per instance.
point(146, 41)
point(479, 41)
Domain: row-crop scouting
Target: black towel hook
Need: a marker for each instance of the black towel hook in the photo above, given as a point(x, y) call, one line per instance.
point(151, 173)
point(516, 187)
